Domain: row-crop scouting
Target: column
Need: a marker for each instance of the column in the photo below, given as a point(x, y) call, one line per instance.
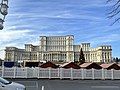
point(51, 57)
point(110, 57)
point(42, 56)
point(37, 56)
point(13, 56)
point(58, 56)
point(61, 56)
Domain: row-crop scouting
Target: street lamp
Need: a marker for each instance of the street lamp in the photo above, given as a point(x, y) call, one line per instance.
point(3, 12)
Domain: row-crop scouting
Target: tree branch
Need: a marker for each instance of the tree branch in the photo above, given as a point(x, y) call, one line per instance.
point(114, 14)
point(117, 3)
point(115, 21)
point(109, 1)
point(114, 10)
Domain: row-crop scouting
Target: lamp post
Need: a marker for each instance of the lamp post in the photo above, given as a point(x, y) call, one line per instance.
point(3, 12)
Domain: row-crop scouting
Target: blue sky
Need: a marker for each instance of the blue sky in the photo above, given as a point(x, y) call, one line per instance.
point(85, 19)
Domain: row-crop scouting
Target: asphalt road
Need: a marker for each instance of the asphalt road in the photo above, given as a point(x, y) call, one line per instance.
point(45, 84)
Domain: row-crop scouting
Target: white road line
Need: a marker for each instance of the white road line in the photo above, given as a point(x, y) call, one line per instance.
point(42, 87)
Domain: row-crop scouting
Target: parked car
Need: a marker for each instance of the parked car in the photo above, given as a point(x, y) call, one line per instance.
point(8, 85)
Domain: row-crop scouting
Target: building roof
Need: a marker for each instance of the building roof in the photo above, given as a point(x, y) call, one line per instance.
point(118, 64)
point(110, 66)
point(48, 64)
point(70, 65)
point(106, 65)
point(85, 65)
point(90, 66)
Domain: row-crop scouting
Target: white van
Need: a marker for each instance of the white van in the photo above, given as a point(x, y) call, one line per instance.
point(7, 85)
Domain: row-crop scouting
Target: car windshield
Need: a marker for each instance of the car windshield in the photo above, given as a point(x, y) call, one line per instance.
point(4, 81)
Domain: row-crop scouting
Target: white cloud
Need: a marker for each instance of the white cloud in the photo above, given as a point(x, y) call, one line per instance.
point(105, 39)
point(10, 35)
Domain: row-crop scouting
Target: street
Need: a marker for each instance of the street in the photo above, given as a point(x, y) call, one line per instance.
point(45, 84)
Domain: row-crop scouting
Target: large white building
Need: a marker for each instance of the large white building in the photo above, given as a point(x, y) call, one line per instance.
point(59, 48)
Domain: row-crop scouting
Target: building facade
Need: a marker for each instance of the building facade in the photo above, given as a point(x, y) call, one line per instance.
point(58, 48)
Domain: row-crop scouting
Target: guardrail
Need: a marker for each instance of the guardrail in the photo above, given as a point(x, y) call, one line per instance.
point(59, 73)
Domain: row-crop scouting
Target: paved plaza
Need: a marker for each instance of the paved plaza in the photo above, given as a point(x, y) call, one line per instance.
point(45, 84)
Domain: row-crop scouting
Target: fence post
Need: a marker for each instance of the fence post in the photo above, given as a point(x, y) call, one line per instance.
point(83, 73)
point(26, 71)
point(93, 76)
point(58, 72)
point(2, 71)
point(71, 73)
point(38, 72)
point(61, 73)
point(14, 72)
point(33, 69)
point(49, 73)
point(112, 72)
point(103, 74)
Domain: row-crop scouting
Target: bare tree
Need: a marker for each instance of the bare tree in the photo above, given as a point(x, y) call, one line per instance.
point(115, 11)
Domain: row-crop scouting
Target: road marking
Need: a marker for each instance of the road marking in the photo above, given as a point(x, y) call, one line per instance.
point(42, 87)
point(105, 87)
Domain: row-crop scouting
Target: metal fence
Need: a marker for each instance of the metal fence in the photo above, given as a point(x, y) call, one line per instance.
point(59, 73)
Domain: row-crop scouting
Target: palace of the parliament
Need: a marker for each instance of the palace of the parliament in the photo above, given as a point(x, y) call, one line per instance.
point(58, 48)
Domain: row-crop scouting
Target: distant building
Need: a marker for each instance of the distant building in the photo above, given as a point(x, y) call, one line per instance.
point(58, 48)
